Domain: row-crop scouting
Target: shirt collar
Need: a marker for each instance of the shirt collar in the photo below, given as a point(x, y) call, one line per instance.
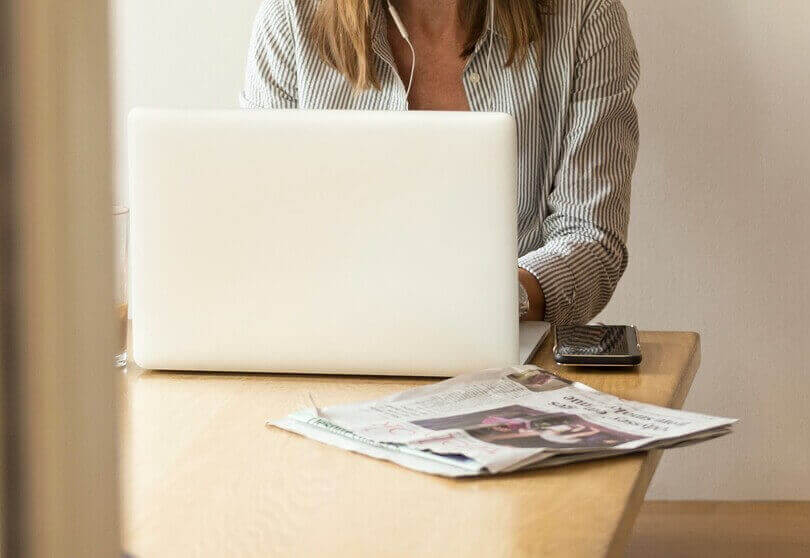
point(378, 19)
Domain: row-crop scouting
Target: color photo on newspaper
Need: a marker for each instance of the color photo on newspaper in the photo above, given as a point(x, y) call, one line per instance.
point(499, 421)
point(523, 427)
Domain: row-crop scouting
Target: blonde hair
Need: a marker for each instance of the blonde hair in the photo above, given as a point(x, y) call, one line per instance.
point(342, 33)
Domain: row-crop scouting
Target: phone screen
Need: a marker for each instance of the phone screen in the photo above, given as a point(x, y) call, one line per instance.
point(595, 340)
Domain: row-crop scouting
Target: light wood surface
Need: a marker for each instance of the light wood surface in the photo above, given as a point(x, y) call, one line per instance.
point(721, 530)
point(203, 476)
point(58, 379)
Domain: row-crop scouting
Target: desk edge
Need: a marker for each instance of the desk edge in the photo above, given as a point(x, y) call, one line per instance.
point(621, 535)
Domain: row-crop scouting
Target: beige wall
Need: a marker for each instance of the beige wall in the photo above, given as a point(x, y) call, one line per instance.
point(719, 233)
point(718, 236)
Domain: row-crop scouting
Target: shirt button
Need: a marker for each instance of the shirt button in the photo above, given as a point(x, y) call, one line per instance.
point(475, 77)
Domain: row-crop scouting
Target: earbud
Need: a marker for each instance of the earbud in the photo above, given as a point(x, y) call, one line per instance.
point(404, 32)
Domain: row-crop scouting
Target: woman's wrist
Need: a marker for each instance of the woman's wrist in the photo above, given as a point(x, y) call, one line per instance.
point(537, 302)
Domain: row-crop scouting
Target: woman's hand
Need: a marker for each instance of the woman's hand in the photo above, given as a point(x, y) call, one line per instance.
point(537, 302)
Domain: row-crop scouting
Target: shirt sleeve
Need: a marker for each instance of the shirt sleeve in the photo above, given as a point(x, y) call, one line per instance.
point(270, 71)
point(584, 232)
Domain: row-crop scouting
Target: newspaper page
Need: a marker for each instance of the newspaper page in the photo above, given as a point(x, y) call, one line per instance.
point(499, 421)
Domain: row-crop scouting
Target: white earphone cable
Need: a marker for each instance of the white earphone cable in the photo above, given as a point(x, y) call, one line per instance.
point(413, 67)
point(404, 33)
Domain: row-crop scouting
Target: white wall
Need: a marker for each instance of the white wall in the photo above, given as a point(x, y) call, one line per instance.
point(719, 229)
point(178, 53)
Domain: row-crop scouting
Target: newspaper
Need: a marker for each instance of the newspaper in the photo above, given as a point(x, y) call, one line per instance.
point(498, 421)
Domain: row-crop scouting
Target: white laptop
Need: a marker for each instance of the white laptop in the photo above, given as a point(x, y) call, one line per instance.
point(325, 242)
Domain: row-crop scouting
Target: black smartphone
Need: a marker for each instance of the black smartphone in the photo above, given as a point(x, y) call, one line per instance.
point(597, 345)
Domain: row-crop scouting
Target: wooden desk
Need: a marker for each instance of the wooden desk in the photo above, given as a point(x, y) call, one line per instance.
point(203, 476)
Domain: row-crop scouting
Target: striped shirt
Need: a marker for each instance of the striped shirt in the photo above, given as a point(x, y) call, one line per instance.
point(576, 124)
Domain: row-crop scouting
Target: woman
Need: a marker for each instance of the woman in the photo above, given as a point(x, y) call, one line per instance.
point(565, 69)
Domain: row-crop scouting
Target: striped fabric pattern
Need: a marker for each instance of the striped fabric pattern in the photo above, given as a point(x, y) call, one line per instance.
point(576, 123)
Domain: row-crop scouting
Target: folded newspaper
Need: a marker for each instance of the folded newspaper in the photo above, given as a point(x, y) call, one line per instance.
point(499, 421)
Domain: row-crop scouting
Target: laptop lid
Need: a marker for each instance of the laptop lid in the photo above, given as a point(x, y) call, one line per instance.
point(323, 241)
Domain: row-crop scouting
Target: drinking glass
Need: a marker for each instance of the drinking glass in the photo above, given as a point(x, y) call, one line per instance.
point(121, 232)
